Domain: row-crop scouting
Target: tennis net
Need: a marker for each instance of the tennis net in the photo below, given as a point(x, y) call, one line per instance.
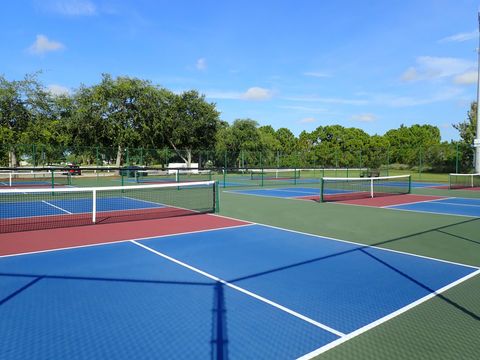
point(274, 174)
point(33, 209)
point(338, 189)
point(464, 181)
point(34, 179)
point(156, 176)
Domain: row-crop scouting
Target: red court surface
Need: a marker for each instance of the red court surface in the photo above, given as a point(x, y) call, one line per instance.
point(460, 188)
point(391, 200)
point(39, 240)
point(309, 197)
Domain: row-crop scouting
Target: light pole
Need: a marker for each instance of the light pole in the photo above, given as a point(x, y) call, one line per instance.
point(476, 142)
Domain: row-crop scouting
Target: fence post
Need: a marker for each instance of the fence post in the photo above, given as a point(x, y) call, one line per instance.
point(456, 158)
point(34, 155)
point(420, 164)
point(261, 169)
point(388, 161)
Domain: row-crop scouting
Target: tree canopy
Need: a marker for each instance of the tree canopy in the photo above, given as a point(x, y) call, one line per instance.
point(118, 119)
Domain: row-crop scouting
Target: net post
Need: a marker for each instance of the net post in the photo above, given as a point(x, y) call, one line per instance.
point(471, 181)
point(450, 181)
point(224, 177)
point(295, 176)
point(409, 184)
point(261, 175)
point(52, 177)
point(216, 198)
point(94, 206)
point(371, 187)
point(321, 189)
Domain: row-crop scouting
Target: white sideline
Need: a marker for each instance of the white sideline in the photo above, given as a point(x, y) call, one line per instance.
point(238, 288)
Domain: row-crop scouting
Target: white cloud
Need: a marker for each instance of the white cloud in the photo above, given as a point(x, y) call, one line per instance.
point(316, 74)
point(43, 45)
point(227, 95)
point(55, 89)
point(201, 64)
point(407, 101)
point(308, 120)
point(69, 7)
point(307, 109)
point(327, 100)
point(467, 78)
point(430, 68)
point(460, 37)
point(253, 93)
point(368, 117)
point(410, 74)
point(257, 93)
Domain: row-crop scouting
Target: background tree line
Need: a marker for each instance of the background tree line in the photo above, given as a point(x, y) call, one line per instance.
point(121, 120)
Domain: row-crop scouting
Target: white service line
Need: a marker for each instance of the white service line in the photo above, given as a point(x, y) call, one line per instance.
point(56, 207)
point(370, 326)
point(256, 296)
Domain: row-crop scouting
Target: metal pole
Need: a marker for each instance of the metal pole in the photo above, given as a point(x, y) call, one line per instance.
point(456, 158)
point(477, 140)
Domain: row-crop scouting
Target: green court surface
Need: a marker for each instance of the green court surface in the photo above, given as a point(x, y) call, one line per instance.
point(444, 327)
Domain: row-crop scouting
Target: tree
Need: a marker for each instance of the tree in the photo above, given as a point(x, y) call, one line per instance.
point(28, 116)
point(269, 146)
point(409, 143)
point(240, 143)
point(14, 115)
point(192, 124)
point(467, 131)
point(109, 114)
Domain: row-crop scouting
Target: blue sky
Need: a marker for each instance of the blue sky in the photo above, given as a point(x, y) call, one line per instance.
point(296, 64)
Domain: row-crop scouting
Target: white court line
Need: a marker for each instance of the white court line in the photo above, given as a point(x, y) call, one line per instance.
point(258, 297)
point(317, 192)
point(432, 212)
point(415, 202)
point(266, 196)
point(357, 243)
point(126, 240)
point(392, 207)
point(396, 313)
point(56, 207)
point(460, 204)
point(343, 338)
point(299, 197)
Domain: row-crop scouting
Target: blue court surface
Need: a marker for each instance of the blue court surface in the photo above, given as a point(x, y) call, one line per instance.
point(245, 292)
point(448, 206)
point(72, 206)
point(295, 192)
point(248, 182)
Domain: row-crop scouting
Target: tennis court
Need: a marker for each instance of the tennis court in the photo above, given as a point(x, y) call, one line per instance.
point(179, 294)
point(150, 271)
